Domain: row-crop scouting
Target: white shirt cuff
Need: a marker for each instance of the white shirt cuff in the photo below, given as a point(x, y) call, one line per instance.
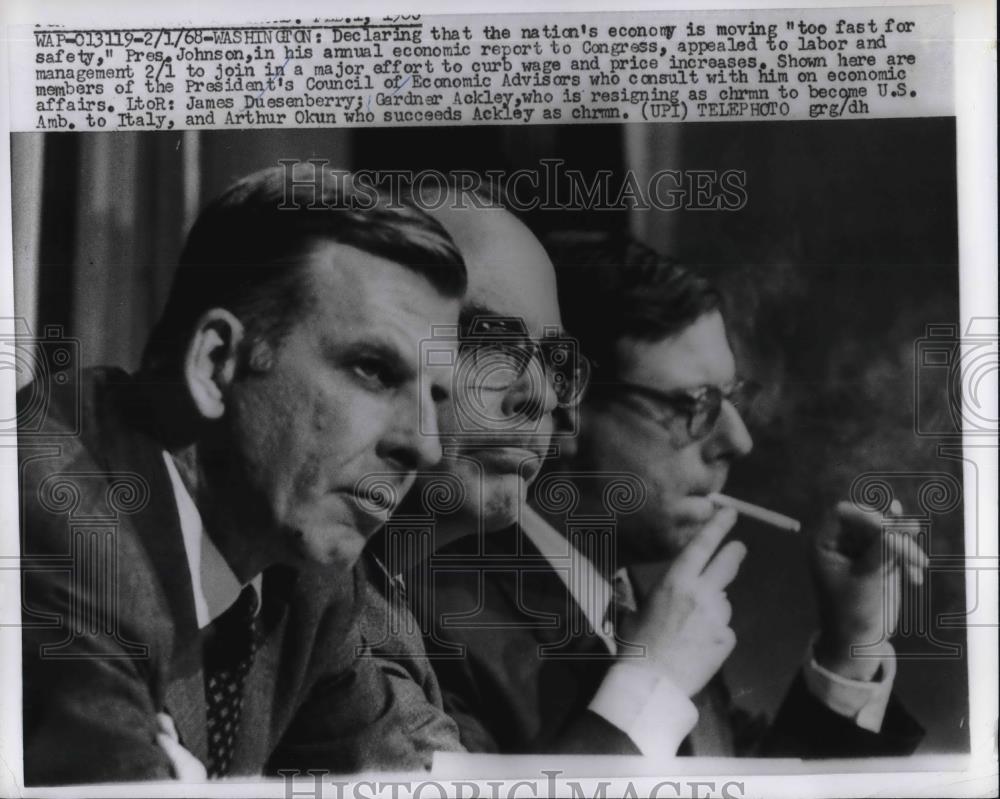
point(646, 706)
point(864, 702)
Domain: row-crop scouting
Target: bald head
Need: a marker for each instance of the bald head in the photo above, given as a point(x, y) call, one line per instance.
point(509, 270)
point(495, 435)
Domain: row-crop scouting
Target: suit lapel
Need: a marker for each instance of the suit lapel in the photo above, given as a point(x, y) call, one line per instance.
point(569, 660)
point(544, 592)
point(541, 594)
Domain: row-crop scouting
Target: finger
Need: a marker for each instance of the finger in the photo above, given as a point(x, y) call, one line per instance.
point(719, 608)
point(909, 554)
point(166, 725)
point(695, 556)
point(859, 532)
point(725, 638)
point(861, 517)
point(723, 568)
point(169, 746)
point(911, 562)
point(895, 511)
point(909, 530)
point(186, 766)
point(906, 549)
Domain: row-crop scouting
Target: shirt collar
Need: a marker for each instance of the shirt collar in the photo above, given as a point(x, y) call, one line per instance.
point(215, 585)
point(586, 585)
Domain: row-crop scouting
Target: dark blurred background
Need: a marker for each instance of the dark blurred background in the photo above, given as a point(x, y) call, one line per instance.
point(844, 254)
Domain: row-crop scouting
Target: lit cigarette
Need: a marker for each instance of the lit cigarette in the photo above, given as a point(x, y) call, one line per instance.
point(778, 520)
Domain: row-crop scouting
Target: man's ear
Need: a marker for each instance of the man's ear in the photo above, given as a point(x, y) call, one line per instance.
point(211, 360)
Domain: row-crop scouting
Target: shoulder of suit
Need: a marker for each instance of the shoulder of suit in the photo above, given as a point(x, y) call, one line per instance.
point(332, 598)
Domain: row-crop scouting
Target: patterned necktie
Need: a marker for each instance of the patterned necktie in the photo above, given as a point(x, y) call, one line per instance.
point(622, 605)
point(229, 655)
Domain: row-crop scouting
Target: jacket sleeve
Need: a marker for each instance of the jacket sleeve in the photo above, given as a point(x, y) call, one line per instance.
point(351, 718)
point(391, 632)
point(805, 727)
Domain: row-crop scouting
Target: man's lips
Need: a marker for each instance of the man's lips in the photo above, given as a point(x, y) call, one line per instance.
point(711, 486)
point(376, 501)
point(512, 459)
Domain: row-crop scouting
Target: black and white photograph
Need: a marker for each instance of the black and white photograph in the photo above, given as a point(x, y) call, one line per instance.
point(344, 457)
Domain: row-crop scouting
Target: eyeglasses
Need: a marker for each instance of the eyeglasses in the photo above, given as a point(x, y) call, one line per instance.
point(692, 412)
point(495, 352)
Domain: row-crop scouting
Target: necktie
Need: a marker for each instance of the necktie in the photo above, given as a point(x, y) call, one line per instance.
point(622, 605)
point(229, 654)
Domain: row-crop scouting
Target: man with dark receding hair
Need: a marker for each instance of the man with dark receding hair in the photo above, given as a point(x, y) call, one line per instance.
point(234, 475)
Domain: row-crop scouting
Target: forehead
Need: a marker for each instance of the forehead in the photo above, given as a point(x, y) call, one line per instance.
point(699, 355)
point(509, 272)
point(353, 291)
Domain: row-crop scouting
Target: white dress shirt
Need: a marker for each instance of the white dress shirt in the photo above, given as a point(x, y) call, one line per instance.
point(215, 585)
point(644, 703)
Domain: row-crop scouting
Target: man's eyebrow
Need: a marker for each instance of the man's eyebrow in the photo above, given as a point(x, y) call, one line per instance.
point(372, 345)
point(471, 311)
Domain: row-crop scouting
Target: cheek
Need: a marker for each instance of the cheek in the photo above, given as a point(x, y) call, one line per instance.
point(308, 430)
point(668, 469)
point(312, 434)
point(609, 445)
point(336, 426)
point(308, 474)
point(327, 410)
point(473, 411)
point(675, 473)
point(446, 419)
point(260, 417)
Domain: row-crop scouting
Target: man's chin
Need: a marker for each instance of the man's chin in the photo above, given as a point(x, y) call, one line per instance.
point(671, 540)
point(683, 530)
point(337, 547)
point(503, 500)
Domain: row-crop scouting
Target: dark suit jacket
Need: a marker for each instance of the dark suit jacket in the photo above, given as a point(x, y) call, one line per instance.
point(395, 641)
point(518, 667)
point(110, 637)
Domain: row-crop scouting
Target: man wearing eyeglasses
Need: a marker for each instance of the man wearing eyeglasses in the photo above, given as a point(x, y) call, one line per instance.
point(522, 668)
point(512, 367)
point(664, 405)
point(535, 630)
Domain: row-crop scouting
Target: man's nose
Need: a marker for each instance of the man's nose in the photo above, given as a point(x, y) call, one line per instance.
point(730, 437)
point(531, 395)
point(412, 439)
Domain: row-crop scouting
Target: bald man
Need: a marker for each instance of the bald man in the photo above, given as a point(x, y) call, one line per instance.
point(507, 688)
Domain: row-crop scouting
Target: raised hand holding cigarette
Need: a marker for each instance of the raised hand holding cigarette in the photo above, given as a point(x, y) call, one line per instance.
point(684, 622)
point(858, 562)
